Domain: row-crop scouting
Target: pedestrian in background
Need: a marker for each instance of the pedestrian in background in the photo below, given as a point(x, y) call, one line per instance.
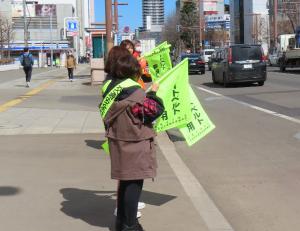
point(128, 123)
point(70, 65)
point(26, 61)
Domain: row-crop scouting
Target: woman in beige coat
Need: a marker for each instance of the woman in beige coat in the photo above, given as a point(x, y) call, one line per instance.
point(128, 124)
point(70, 65)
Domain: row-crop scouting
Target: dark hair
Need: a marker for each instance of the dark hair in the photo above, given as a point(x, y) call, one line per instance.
point(26, 49)
point(126, 66)
point(112, 57)
point(127, 43)
point(135, 42)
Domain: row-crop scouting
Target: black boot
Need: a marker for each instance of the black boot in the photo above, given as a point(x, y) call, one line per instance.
point(136, 227)
point(118, 225)
point(140, 227)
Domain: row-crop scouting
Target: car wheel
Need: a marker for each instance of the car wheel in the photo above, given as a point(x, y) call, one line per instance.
point(213, 77)
point(261, 83)
point(225, 83)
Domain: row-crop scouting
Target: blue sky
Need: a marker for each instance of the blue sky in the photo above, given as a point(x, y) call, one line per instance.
point(131, 14)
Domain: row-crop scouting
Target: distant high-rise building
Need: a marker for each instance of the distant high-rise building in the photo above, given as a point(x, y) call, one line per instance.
point(153, 15)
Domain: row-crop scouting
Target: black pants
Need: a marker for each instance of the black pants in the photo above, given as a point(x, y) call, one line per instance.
point(129, 193)
point(28, 71)
point(70, 73)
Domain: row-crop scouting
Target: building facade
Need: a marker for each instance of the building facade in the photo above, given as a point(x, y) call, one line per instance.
point(153, 15)
point(5, 10)
point(249, 22)
point(84, 10)
point(212, 7)
point(45, 27)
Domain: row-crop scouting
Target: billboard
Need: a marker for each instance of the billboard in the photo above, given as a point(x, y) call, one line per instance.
point(210, 7)
point(17, 10)
point(45, 10)
point(218, 21)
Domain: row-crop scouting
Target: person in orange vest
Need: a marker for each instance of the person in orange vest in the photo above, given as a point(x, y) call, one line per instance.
point(146, 77)
point(130, 47)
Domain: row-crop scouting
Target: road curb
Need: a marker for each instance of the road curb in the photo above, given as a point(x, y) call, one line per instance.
point(208, 211)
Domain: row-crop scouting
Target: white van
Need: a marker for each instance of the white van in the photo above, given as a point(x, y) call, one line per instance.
point(207, 54)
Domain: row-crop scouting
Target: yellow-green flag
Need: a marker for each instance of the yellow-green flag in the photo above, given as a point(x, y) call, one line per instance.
point(105, 146)
point(159, 61)
point(174, 91)
point(199, 125)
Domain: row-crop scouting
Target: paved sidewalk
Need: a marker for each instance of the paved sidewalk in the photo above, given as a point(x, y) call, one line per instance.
point(54, 176)
point(28, 119)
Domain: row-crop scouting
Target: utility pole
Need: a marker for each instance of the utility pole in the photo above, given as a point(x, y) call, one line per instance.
point(25, 24)
point(51, 42)
point(108, 22)
point(201, 11)
point(116, 15)
point(275, 21)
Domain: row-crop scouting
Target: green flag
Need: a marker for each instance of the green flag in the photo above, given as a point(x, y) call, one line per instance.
point(105, 146)
point(159, 61)
point(199, 125)
point(174, 91)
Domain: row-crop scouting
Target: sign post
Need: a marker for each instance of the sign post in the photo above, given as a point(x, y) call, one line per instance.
point(71, 29)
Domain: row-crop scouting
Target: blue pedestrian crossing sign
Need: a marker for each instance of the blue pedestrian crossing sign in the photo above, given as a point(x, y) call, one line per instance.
point(72, 25)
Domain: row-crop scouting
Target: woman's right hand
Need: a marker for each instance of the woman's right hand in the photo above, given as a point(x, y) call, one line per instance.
point(155, 87)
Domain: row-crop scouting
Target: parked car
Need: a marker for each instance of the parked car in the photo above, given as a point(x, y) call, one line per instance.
point(239, 63)
point(207, 54)
point(196, 63)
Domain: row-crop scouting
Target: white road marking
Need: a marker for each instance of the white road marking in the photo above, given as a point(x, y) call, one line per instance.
point(210, 214)
point(252, 106)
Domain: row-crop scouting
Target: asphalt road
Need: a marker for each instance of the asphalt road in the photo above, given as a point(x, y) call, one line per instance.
point(250, 164)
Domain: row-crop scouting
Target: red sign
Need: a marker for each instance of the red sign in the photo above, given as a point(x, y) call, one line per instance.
point(72, 33)
point(88, 41)
point(126, 29)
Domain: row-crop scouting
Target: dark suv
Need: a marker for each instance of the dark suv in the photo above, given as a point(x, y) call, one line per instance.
point(239, 63)
point(196, 63)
